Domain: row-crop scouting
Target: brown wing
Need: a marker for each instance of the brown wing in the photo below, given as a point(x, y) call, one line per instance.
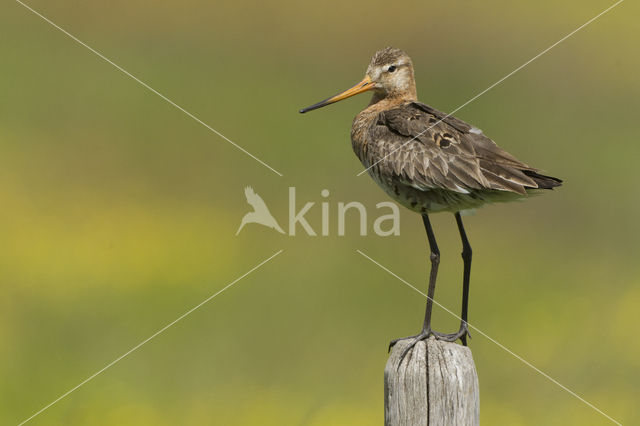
point(426, 149)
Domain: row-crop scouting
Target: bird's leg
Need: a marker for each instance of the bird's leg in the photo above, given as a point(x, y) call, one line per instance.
point(466, 258)
point(435, 261)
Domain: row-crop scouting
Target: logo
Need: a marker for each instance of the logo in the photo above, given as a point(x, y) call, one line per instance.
point(260, 213)
point(384, 225)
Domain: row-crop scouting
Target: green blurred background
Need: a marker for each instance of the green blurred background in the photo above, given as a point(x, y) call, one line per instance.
point(119, 212)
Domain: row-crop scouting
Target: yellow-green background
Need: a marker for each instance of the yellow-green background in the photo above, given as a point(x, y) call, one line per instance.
point(118, 213)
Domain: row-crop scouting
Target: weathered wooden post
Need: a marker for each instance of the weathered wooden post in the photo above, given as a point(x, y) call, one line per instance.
point(435, 385)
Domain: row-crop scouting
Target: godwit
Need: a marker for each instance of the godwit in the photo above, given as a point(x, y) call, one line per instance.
point(430, 162)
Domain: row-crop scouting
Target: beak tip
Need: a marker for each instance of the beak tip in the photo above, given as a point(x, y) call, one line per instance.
point(363, 86)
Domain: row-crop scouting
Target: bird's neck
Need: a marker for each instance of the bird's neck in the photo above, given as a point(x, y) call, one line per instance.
point(381, 102)
point(384, 100)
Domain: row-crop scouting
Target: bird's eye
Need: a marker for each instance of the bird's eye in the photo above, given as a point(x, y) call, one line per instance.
point(392, 68)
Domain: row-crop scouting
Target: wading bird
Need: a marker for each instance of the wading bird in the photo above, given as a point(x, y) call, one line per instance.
point(431, 162)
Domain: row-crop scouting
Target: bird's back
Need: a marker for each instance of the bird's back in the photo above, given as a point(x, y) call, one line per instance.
point(430, 162)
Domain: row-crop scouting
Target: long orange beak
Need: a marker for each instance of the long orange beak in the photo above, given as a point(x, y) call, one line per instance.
point(363, 86)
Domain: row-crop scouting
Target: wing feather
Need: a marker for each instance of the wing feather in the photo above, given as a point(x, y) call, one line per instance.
point(426, 149)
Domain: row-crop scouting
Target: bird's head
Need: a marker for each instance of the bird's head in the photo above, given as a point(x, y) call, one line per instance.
point(391, 71)
point(390, 75)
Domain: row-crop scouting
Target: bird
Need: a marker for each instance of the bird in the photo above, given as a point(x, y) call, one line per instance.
point(431, 162)
point(260, 213)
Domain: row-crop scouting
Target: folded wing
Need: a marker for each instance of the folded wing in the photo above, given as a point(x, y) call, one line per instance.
point(426, 149)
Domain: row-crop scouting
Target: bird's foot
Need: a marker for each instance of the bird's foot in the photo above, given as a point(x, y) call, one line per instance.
point(424, 335)
point(462, 334)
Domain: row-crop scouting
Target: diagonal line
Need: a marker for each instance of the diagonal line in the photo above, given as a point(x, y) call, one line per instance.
point(151, 89)
point(500, 345)
point(149, 338)
point(496, 83)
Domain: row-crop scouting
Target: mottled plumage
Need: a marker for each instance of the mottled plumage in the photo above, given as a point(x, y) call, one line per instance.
point(431, 162)
point(426, 160)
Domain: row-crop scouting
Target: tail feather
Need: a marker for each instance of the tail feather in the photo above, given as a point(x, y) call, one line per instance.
point(544, 182)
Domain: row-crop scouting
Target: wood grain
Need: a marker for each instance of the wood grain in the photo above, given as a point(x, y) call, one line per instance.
point(436, 384)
